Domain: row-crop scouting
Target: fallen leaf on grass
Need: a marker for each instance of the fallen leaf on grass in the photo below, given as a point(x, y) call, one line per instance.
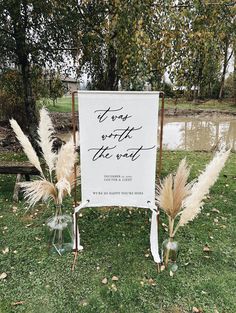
point(5, 251)
point(3, 275)
point(151, 282)
point(28, 225)
point(104, 281)
point(83, 302)
point(113, 287)
point(197, 310)
point(115, 278)
point(206, 248)
point(14, 209)
point(18, 303)
point(215, 210)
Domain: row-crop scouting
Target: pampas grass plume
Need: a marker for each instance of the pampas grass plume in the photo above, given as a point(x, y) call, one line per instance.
point(39, 190)
point(27, 147)
point(180, 189)
point(42, 189)
point(165, 195)
point(66, 160)
point(193, 203)
point(173, 190)
point(45, 132)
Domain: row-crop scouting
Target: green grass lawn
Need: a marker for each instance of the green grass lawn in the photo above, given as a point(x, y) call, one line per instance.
point(116, 242)
point(64, 105)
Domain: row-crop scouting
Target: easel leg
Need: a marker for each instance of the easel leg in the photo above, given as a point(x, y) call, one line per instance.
point(160, 163)
point(74, 261)
point(75, 248)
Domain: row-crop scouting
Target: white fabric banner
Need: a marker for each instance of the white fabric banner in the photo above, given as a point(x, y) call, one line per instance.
point(118, 143)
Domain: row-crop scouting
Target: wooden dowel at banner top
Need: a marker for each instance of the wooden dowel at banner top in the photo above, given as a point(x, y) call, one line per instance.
point(161, 135)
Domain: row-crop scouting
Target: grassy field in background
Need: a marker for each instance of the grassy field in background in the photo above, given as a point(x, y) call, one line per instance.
point(223, 105)
point(64, 105)
point(116, 242)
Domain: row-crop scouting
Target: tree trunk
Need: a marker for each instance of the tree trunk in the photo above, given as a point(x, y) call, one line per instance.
point(195, 94)
point(222, 83)
point(111, 81)
point(30, 105)
point(20, 25)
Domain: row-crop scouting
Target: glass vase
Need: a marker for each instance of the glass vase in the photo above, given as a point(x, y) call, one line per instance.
point(170, 251)
point(61, 233)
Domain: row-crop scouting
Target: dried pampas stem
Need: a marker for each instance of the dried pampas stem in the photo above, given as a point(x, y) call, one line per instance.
point(27, 147)
point(45, 132)
point(64, 188)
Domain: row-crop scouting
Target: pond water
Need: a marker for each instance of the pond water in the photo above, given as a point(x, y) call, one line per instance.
point(199, 133)
point(195, 132)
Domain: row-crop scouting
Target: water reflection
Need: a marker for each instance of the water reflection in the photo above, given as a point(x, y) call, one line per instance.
point(194, 133)
point(191, 133)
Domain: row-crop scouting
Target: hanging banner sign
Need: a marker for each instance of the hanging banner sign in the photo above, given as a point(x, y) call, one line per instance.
point(118, 144)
